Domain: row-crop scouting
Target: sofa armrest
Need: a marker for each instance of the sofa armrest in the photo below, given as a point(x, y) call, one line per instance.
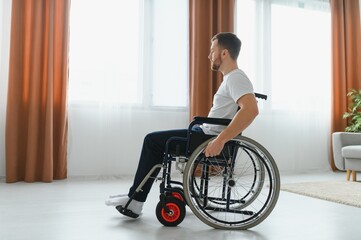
point(339, 140)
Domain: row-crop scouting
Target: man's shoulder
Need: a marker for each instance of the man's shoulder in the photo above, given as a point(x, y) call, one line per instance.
point(238, 77)
point(238, 74)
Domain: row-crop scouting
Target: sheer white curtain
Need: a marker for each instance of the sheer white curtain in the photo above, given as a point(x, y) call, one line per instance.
point(5, 20)
point(128, 77)
point(287, 53)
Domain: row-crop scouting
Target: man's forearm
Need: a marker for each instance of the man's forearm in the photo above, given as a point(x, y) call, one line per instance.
point(239, 123)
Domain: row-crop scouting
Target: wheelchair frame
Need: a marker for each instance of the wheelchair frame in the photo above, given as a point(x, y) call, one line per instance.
point(237, 189)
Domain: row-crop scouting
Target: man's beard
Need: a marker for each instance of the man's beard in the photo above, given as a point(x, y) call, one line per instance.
point(215, 66)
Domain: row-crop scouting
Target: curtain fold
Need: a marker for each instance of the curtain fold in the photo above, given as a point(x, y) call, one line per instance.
point(346, 60)
point(36, 120)
point(207, 18)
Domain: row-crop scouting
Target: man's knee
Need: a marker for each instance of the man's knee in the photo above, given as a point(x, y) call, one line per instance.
point(154, 141)
point(151, 137)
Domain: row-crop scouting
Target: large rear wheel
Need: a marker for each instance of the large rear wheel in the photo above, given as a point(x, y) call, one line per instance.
point(237, 189)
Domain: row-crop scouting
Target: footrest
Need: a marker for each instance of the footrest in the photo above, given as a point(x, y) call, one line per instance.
point(126, 212)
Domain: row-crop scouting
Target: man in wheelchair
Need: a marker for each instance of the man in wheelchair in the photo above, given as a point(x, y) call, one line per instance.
point(235, 92)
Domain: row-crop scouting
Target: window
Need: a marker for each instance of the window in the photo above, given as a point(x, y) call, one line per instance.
point(287, 54)
point(287, 51)
point(124, 52)
point(170, 53)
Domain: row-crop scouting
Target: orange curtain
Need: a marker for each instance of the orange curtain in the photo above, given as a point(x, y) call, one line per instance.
point(36, 121)
point(346, 62)
point(207, 18)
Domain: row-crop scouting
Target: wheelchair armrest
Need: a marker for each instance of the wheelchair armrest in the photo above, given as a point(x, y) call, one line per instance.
point(216, 121)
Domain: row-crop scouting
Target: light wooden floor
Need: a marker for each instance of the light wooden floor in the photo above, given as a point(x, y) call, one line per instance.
point(74, 209)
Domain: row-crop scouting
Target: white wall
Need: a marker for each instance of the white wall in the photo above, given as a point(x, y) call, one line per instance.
point(5, 12)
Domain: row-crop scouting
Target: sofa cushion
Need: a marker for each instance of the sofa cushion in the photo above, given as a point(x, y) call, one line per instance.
point(352, 151)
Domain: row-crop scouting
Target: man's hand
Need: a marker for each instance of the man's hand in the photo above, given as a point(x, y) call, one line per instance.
point(214, 148)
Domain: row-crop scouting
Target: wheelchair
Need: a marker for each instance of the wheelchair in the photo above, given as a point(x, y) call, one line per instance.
point(235, 190)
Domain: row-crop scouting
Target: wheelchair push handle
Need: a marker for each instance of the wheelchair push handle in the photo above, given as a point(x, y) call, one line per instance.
point(259, 95)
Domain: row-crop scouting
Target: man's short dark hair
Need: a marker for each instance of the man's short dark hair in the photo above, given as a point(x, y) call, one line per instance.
point(229, 41)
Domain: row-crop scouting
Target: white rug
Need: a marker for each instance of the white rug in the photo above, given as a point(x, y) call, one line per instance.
point(344, 192)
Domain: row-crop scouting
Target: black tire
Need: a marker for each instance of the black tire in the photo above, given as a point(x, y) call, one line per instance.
point(177, 214)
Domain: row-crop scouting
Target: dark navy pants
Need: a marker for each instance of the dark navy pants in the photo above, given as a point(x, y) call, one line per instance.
point(152, 154)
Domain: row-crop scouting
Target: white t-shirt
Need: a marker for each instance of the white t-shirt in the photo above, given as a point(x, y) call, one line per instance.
point(234, 85)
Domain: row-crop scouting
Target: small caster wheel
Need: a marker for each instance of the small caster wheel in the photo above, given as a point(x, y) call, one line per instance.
point(176, 214)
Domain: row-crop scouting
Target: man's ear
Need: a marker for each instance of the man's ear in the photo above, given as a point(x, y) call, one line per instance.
point(224, 52)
